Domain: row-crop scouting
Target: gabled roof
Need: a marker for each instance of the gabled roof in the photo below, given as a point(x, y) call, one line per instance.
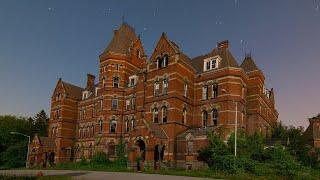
point(123, 38)
point(195, 132)
point(227, 59)
point(248, 64)
point(177, 49)
point(72, 90)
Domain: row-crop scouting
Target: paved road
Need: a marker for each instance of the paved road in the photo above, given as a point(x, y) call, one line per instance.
point(96, 175)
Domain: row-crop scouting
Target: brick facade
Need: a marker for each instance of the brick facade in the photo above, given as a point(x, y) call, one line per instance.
point(162, 106)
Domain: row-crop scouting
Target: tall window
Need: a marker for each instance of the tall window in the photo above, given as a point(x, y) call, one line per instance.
point(92, 130)
point(116, 82)
point(100, 126)
point(164, 114)
point(113, 126)
point(101, 104)
point(155, 115)
point(184, 116)
point(104, 82)
point(185, 90)
point(128, 104)
point(159, 62)
point(165, 60)
point(205, 92)
point(79, 132)
point(208, 65)
point(156, 90)
point(127, 125)
point(213, 64)
point(215, 90)
point(133, 102)
point(114, 105)
point(204, 119)
point(133, 121)
point(215, 116)
point(165, 86)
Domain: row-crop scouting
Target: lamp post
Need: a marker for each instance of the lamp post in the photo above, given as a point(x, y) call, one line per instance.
point(235, 124)
point(28, 144)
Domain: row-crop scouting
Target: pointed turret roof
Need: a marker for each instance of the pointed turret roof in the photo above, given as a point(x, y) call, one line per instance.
point(123, 38)
point(248, 64)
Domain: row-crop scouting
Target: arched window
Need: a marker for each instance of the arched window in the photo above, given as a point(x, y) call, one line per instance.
point(215, 90)
point(205, 92)
point(164, 114)
point(79, 131)
point(104, 82)
point(165, 86)
point(100, 126)
point(165, 60)
point(204, 119)
point(127, 125)
point(215, 116)
point(92, 130)
point(113, 126)
point(190, 147)
point(184, 116)
point(159, 62)
point(84, 134)
point(155, 115)
point(133, 121)
point(53, 131)
point(116, 82)
point(156, 89)
point(138, 53)
point(88, 131)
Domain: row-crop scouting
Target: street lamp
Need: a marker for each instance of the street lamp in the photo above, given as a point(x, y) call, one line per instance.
point(28, 144)
point(235, 125)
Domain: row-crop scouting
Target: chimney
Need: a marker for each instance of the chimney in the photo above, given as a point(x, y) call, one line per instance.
point(223, 44)
point(90, 82)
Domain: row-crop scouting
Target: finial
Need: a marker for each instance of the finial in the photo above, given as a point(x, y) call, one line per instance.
point(122, 18)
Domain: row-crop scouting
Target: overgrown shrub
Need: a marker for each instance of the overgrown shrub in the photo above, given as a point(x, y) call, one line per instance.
point(100, 158)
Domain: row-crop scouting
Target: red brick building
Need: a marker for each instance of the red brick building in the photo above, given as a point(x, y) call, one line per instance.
point(312, 134)
point(162, 106)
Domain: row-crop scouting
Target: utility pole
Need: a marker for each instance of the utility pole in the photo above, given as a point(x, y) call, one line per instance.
point(29, 139)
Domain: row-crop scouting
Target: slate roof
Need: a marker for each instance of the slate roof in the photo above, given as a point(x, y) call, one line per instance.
point(227, 59)
point(248, 64)
point(73, 90)
point(122, 40)
point(157, 131)
point(47, 142)
point(195, 132)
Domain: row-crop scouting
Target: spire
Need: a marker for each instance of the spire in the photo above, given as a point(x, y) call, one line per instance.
point(248, 64)
point(122, 39)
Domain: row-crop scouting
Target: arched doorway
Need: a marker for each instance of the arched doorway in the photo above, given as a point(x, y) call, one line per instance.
point(158, 155)
point(141, 154)
point(51, 158)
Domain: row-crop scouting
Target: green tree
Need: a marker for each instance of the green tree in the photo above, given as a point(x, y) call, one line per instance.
point(40, 123)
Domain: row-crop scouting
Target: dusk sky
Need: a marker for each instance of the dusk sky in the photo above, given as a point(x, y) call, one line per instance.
point(42, 40)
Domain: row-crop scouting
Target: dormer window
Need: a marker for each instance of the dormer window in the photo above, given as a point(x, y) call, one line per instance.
point(211, 63)
point(84, 95)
